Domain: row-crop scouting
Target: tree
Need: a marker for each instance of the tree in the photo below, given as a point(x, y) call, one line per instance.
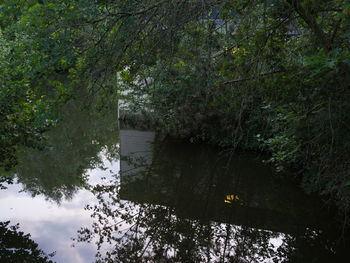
point(267, 75)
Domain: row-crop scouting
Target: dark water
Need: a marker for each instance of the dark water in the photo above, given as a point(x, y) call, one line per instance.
point(97, 193)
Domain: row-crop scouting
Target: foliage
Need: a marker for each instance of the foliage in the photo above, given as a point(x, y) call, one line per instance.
point(15, 246)
point(269, 75)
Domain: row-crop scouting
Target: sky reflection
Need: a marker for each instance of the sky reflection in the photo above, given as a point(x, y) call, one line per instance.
point(53, 225)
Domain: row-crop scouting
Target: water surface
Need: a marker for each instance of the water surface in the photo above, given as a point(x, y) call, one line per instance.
point(97, 193)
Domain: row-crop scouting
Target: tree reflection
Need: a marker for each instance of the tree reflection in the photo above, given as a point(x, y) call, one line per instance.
point(72, 147)
point(15, 246)
point(154, 233)
point(171, 209)
point(5, 181)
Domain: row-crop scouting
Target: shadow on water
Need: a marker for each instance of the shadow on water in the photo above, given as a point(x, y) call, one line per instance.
point(179, 202)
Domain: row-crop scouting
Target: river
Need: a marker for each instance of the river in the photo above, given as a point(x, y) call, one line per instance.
point(95, 192)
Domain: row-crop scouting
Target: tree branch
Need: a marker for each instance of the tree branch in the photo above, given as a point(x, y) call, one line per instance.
point(310, 21)
point(138, 12)
point(252, 78)
point(337, 25)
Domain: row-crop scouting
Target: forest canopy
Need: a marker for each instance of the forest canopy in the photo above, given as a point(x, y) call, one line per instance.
point(262, 75)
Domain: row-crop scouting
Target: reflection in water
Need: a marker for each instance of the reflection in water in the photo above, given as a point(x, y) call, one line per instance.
point(172, 201)
point(233, 198)
point(72, 148)
point(79, 151)
point(176, 202)
point(15, 246)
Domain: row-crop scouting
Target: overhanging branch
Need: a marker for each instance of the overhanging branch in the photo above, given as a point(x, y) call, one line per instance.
point(252, 78)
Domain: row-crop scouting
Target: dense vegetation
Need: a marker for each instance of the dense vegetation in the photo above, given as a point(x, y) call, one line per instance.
point(267, 75)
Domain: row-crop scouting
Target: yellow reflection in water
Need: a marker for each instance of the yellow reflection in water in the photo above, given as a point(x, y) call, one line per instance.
point(233, 198)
